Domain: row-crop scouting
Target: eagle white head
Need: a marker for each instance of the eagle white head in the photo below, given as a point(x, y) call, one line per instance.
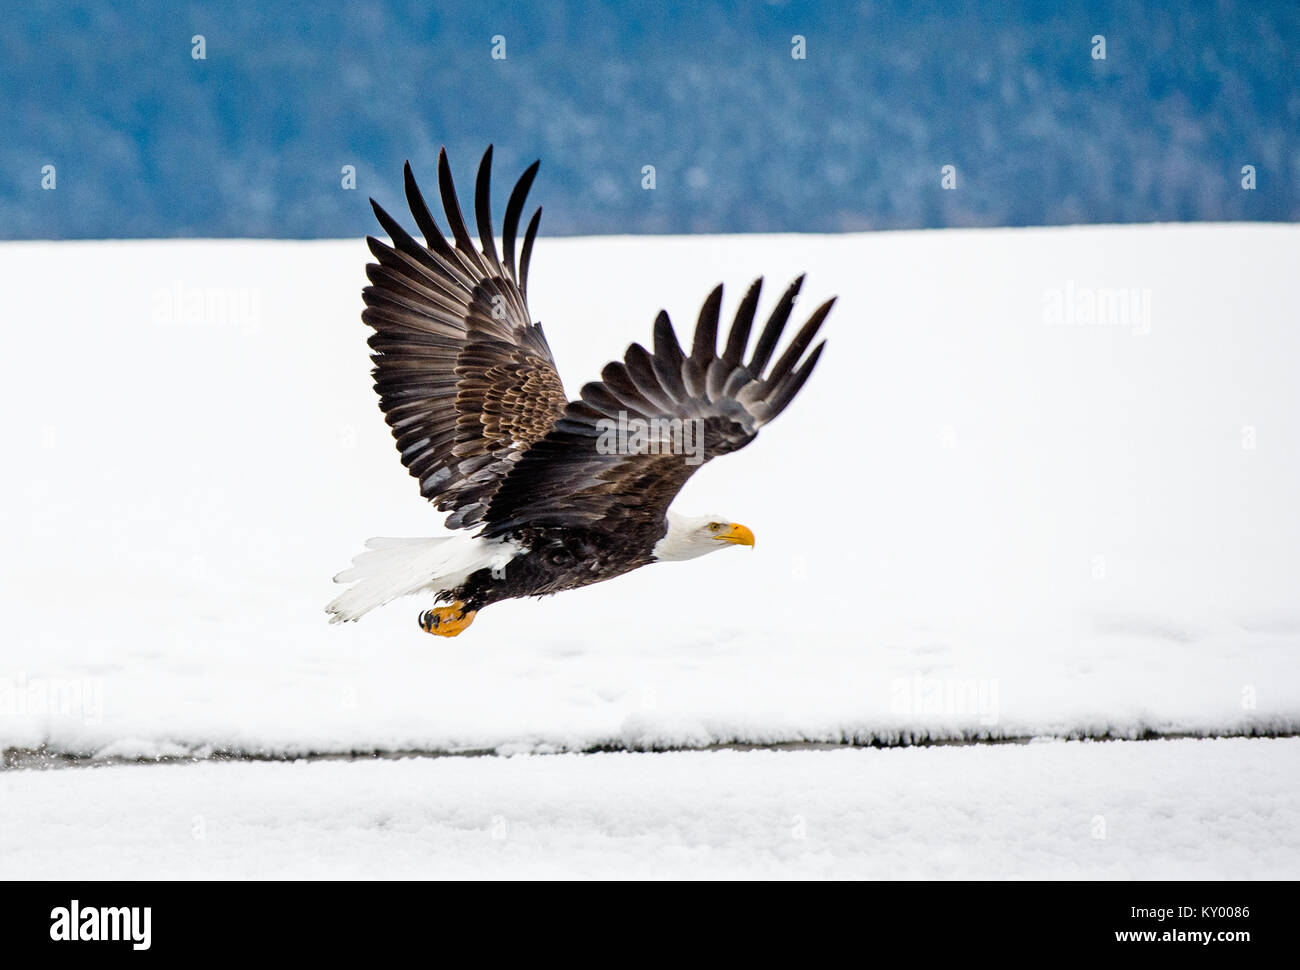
point(690, 537)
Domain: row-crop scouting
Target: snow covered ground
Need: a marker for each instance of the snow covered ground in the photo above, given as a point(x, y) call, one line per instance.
point(1044, 483)
point(1226, 809)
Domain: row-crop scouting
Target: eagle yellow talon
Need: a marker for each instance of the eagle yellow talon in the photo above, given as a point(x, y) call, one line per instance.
point(447, 621)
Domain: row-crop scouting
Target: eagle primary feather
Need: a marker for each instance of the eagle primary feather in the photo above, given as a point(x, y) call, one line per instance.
point(469, 387)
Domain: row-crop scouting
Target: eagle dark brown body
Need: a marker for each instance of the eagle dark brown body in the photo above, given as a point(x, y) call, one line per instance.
point(468, 385)
point(559, 559)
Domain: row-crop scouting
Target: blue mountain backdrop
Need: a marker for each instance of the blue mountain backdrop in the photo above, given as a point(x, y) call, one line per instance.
point(147, 139)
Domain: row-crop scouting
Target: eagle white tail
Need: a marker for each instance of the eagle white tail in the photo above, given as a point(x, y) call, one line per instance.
point(391, 568)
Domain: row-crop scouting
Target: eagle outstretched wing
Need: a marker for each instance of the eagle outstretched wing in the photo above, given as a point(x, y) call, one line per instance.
point(568, 479)
point(465, 379)
point(469, 387)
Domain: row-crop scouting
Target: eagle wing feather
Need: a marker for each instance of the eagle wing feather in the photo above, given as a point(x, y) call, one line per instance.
point(567, 479)
point(466, 380)
point(469, 387)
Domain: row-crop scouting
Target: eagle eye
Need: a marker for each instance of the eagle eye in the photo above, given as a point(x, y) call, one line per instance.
point(715, 526)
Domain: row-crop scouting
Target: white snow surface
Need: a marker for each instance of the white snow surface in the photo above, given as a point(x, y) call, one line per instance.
point(981, 517)
point(1225, 809)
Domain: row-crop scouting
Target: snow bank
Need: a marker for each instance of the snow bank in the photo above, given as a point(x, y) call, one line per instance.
point(1158, 810)
point(1044, 483)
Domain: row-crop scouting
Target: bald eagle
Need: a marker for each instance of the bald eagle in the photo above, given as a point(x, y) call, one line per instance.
point(544, 494)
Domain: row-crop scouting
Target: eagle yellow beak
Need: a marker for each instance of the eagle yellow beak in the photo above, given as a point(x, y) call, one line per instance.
point(738, 535)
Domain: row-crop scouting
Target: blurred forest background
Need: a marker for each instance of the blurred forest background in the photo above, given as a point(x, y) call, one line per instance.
point(252, 139)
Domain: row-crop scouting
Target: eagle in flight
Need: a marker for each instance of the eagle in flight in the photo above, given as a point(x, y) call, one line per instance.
point(543, 493)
